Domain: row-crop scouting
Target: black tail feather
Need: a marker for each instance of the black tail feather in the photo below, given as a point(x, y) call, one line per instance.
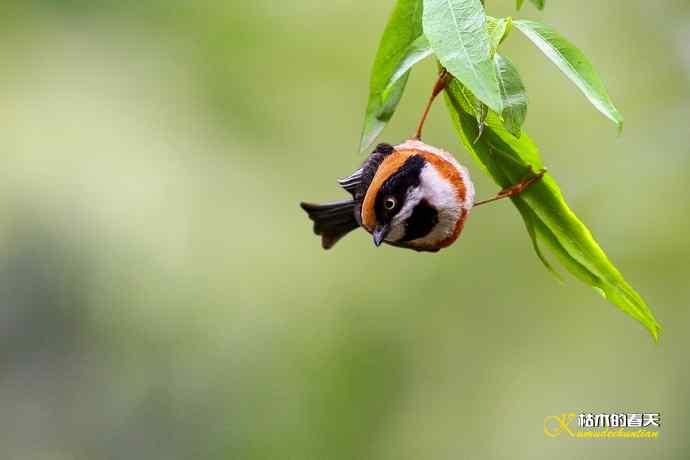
point(332, 220)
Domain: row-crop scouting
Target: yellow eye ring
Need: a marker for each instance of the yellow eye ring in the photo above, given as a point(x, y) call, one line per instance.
point(389, 203)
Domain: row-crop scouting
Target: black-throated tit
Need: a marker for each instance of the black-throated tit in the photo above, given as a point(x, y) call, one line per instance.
point(411, 195)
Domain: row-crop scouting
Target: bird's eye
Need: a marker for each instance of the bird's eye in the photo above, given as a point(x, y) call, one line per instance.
point(389, 203)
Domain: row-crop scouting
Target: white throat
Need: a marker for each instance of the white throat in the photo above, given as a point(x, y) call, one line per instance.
point(439, 193)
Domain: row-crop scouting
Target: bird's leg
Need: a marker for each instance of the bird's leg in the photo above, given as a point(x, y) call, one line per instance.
point(438, 88)
point(515, 189)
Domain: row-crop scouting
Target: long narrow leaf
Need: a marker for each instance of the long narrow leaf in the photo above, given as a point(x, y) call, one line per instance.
point(548, 218)
point(402, 45)
point(457, 32)
point(573, 63)
point(513, 94)
point(417, 51)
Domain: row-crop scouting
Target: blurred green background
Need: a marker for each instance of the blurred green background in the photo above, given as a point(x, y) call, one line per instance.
point(162, 295)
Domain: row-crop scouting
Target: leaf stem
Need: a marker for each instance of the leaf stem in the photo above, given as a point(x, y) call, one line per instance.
point(515, 189)
point(438, 88)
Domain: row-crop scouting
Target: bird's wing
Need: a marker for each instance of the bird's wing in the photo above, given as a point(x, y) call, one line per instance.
point(352, 182)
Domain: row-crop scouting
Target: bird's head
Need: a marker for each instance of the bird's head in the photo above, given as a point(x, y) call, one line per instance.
point(418, 198)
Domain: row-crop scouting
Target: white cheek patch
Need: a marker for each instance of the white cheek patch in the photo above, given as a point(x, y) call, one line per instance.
point(440, 194)
point(438, 191)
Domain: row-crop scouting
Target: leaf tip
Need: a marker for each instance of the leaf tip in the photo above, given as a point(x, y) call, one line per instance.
point(363, 144)
point(655, 331)
point(620, 124)
point(372, 129)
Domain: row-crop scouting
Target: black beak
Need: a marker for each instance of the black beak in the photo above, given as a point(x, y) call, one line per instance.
point(380, 233)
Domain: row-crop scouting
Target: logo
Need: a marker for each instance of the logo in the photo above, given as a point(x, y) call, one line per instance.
point(603, 425)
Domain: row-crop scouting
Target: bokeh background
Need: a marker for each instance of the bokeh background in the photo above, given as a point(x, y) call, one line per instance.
point(162, 295)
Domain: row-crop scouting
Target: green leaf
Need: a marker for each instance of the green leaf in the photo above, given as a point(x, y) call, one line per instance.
point(458, 34)
point(519, 4)
point(498, 31)
point(547, 216)
point(417, 51)
point(573, 63)
point(402, 45)
point(513, 94)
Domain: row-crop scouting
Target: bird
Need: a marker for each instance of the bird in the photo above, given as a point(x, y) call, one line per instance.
point(411, 195)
